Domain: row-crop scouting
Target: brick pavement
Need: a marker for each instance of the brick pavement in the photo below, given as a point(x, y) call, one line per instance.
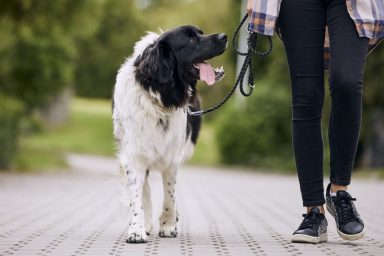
point(222, 212)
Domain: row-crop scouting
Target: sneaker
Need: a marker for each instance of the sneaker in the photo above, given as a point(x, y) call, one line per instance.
point(349, 224)
point(313, 229)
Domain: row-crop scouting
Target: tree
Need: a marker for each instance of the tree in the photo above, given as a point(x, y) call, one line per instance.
point(38, 57)
point(101, 55)
point(39, 50)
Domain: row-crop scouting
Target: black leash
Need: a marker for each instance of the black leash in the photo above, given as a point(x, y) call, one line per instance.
point(247, 64)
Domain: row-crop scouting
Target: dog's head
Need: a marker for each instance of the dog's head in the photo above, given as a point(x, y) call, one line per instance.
point(185, 49)
point(177, 59)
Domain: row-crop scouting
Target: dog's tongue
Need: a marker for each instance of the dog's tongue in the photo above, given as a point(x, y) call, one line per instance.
point(206, 73)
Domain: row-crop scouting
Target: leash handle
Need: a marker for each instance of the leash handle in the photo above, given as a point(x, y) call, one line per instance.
point(247, 64)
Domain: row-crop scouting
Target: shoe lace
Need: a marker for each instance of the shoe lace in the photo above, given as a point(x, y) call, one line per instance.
point(310, 220)
point(345, 208)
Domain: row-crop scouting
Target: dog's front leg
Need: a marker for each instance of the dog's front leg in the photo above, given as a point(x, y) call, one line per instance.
point(135, 182)
point(169, 218)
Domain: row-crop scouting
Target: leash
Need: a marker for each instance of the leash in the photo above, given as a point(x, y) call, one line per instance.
point(247, 64)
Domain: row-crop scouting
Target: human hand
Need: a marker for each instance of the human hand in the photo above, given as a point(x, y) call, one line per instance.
point(250, 7)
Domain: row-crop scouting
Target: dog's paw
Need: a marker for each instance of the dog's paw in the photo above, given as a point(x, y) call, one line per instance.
point(135, 238)
point(136, 235)
point(168, 231)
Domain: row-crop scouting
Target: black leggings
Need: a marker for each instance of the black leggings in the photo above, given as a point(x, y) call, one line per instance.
point(302, 24)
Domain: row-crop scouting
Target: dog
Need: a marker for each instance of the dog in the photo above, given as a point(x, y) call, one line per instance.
point(154, 89)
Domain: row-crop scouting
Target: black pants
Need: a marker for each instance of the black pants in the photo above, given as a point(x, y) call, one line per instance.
point(302, 24)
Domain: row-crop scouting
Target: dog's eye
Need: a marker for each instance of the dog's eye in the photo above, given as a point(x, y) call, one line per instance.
point(192, 40)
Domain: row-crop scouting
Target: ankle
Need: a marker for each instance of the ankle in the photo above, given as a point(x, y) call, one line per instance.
point(321, 208)
point(335, 188)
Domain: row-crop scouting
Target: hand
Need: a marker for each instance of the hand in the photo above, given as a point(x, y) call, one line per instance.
point(250, 7)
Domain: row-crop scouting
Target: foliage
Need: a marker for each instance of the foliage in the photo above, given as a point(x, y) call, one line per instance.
point(374, 90)
point(101, 55)
point(47, 45)
point(10, 115)
point(39, 50)
point(122, 24)
point(257, 133)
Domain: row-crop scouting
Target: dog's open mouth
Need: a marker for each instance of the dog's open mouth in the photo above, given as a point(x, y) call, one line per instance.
point(208, 74)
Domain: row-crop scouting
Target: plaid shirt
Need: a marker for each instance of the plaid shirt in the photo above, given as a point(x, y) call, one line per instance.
point(367, 15)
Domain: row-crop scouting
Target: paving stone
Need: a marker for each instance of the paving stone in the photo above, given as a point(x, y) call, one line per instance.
point(222, 212)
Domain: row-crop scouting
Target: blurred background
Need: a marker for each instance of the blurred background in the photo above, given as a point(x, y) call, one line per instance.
point(58, 63)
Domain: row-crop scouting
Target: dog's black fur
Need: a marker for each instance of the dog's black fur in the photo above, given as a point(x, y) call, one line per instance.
point(167, 68)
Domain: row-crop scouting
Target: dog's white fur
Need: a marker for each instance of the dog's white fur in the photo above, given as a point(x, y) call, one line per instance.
point(144, 145)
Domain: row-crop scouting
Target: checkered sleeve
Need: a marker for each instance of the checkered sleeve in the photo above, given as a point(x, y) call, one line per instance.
point(264, 16)
point(368, 17)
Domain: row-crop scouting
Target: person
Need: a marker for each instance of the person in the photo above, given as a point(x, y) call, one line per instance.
point(318, 34)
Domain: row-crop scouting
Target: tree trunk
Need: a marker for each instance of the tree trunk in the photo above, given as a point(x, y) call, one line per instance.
point(57, 112)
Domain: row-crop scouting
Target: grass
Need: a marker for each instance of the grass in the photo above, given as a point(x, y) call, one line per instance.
point(206, 151)
point(88, 130)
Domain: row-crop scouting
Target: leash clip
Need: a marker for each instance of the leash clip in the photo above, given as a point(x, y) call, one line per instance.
point(194, 113)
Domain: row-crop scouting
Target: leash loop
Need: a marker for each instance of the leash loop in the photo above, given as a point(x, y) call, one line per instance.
point(247, 65)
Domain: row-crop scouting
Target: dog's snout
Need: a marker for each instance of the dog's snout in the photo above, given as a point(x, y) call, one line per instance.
point(222, 37)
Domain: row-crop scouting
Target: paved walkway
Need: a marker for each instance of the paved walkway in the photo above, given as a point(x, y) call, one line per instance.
point(221, 213)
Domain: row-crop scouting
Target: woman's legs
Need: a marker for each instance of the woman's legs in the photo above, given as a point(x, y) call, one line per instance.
point(302, 23)
point(348, 52)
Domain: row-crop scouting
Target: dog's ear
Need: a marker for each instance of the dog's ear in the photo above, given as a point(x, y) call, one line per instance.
point(166, 62)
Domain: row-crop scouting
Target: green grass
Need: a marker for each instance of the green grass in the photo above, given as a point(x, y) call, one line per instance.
point(206, 151)
point(88, 130)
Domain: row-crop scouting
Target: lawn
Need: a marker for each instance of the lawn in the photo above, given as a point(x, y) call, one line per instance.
point(89, 131)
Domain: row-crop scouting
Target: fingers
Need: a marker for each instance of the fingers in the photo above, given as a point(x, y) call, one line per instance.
point(250, 7)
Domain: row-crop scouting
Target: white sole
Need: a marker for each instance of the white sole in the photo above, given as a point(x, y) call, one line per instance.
point(350, 237)
point(346, 236)
point(298, 238)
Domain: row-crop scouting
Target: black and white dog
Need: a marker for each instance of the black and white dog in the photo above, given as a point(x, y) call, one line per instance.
point(154, 88)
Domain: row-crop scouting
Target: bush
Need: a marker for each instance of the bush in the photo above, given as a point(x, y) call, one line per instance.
point(10, 115)
point(101, 55)
point(258, 133)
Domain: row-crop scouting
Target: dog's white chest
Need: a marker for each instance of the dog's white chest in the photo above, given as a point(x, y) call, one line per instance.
point(145, 130)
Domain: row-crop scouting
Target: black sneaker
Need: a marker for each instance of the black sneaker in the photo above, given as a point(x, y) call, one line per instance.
point(313, 229)
point(349, 224)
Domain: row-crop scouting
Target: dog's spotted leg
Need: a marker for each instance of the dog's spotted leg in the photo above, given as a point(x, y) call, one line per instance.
point(169, 218)
point(135, 183)
point(147, 205)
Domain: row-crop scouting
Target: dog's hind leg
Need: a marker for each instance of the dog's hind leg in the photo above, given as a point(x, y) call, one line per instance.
point(135, 183)
point(147, 203)
point(168, 218)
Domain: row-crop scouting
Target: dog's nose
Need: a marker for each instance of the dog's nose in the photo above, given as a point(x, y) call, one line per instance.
point(222, 37)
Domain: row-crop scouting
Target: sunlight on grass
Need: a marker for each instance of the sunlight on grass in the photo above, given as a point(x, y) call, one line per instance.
point(206, 152)
point(89, 131)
